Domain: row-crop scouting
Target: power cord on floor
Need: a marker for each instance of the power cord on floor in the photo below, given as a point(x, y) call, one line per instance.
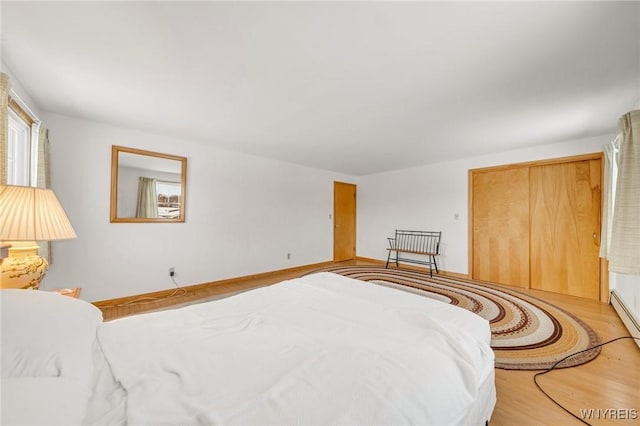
point(553, 367)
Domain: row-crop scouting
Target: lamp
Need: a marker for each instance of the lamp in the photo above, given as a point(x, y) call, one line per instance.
point(28, 215)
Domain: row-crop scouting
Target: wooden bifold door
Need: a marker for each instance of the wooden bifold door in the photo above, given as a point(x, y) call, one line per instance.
point(537, 225)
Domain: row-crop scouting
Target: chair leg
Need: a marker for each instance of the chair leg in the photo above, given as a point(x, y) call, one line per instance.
point(435, 264)
point(388, 257)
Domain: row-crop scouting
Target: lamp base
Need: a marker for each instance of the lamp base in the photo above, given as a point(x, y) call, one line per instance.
point(23, 268)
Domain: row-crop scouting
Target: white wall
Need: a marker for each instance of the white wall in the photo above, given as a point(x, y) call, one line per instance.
point(427, 197)
point(244, 214)
point(628, 288)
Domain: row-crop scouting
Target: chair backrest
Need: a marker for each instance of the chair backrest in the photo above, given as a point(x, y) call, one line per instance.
point(418, 241)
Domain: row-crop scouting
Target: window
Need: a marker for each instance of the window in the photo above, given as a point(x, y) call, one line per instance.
point(21, 164)
point(168, 199)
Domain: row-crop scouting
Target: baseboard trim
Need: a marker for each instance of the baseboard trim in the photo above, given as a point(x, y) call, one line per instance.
point(628, 318)
point(417, 268)
point(213, 284)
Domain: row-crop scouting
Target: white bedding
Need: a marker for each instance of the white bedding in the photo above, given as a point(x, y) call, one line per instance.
point(48, 344)
point(322, 349)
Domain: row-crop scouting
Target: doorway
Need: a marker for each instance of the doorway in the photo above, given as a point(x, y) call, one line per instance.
point(344, 221)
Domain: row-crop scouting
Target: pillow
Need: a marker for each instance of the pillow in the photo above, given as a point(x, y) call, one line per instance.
point(43, 401)
point(46, 334)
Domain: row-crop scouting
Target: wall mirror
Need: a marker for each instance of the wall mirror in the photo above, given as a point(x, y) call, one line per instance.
point(147, 186)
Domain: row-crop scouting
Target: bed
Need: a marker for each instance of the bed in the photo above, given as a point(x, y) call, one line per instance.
point(321, 349)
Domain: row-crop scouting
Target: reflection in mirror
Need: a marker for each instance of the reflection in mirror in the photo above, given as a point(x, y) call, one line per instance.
point(147, 186)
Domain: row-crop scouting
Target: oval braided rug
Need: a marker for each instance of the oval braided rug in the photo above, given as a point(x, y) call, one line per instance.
point(527, 333)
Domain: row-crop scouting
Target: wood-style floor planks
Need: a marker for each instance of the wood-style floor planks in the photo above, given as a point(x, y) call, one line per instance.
point(610, 382)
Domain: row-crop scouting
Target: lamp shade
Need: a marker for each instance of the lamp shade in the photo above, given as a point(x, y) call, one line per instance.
point(32, 214)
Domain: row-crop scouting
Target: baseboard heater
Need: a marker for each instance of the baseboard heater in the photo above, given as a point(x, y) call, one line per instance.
point(625, 314)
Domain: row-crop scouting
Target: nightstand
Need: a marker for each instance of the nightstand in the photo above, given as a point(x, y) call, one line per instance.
point(71, 292)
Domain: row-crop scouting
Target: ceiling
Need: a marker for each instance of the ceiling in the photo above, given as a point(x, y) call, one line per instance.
point(353, 87)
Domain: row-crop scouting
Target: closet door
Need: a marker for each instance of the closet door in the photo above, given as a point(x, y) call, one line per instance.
point(500, 225)
point(565, 202)
point(344, 221)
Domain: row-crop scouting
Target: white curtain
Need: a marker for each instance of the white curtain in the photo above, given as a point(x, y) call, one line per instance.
point(610, 179)
point(147, 198)
point(4, 123)
point(625, 236)
point(44, 181)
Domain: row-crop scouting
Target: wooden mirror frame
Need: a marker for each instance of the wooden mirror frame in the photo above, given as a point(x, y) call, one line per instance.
point(115, 151)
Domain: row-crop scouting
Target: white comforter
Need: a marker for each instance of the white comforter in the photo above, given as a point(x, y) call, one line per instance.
point(323, 349)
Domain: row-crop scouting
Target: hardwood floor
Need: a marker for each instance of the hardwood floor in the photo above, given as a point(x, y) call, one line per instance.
point(609, 385)
point(609, 382)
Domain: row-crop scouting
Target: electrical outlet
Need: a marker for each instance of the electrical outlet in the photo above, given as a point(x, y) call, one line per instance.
point(288, 256)
point(172, 272)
